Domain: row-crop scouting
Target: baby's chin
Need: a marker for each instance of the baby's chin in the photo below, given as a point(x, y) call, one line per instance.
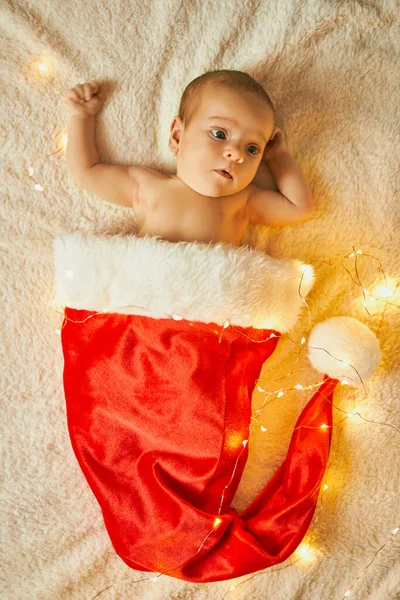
point(214, 193)
point(213, 188)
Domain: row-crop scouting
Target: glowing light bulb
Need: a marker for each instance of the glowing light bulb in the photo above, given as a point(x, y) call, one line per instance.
point(383, 290)
point(353, 413)
point(153, 578)
point(307, 269)
point(280, 394)
point(64, 141)
point(325, 487)
point(359, 252)
point(324, 426)
point(370, 303)
point(217, 522)
point(303, 340)
point(43, 69)
point(226, 324)
point(298, 386)
point(345, 382)
point(177, 317)
point(347, 593)
point(395, 530)
point(263, 428)
point(38, 187)
point(305, 552)
point(387, 289)
point(58, 331)
point(269, 325)
point(272, 335)
point(244, 443)
point(260, 389)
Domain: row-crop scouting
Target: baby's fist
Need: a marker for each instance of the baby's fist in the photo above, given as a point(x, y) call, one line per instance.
point(275, 146)
point(85, 99)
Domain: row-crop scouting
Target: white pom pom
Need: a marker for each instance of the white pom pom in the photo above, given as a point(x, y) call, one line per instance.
point(346, 339)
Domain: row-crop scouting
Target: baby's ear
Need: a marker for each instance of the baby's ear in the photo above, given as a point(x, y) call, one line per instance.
point(273, 134)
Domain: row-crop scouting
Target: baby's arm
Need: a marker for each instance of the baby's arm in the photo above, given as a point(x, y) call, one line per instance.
point(81, 149)
point(293, 202)
point(113, 183)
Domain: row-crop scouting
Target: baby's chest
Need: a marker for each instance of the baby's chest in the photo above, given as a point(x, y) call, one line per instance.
point(187, 209)
point(194, 209)
point(177, 214)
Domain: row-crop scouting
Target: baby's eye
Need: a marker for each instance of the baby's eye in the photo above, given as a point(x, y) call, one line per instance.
point(218, 130)
point(251, 146)
point(255, 153)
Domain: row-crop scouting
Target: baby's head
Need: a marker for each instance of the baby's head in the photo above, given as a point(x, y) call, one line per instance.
point(225, 121)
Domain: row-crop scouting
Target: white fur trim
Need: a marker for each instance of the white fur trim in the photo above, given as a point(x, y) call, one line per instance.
point(346, 339)
point(197, 281)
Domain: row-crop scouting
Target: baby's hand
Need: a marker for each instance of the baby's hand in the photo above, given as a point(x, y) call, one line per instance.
point(85, 99)
point(275, 146)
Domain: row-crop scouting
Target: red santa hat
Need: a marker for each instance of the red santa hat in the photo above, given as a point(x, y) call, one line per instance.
point(163, 344)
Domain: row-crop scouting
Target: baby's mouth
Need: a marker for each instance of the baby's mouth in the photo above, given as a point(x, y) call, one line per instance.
point(224, 173)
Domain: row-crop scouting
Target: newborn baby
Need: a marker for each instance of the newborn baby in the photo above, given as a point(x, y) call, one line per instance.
point(222, 134)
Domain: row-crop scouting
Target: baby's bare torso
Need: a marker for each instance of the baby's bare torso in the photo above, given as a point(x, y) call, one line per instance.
point(165, 206)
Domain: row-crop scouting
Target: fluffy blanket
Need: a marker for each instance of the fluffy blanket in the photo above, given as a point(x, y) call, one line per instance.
point(329, 68)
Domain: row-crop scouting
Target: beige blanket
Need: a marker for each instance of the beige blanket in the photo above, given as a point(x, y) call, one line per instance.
point(330, 69)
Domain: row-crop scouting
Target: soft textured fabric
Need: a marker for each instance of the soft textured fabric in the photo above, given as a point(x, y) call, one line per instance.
point(159, 409)
point(330, 69)
point(157, 413)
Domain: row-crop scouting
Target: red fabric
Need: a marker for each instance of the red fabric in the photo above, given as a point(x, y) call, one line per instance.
point(157, 411)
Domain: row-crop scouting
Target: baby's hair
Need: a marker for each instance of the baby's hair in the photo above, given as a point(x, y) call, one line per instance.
point(235, 80)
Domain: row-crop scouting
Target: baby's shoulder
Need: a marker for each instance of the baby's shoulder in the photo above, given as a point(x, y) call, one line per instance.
point(145, 174)
point(149, 182)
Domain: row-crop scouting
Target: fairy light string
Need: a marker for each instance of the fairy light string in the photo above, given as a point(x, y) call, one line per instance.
point(387, 290)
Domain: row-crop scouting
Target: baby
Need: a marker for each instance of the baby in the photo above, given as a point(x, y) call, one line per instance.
point(225, 128)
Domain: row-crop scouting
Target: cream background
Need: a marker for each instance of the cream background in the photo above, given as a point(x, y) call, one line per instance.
point(330, 69)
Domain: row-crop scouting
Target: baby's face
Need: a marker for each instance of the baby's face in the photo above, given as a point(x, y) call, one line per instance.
point(229, 131)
